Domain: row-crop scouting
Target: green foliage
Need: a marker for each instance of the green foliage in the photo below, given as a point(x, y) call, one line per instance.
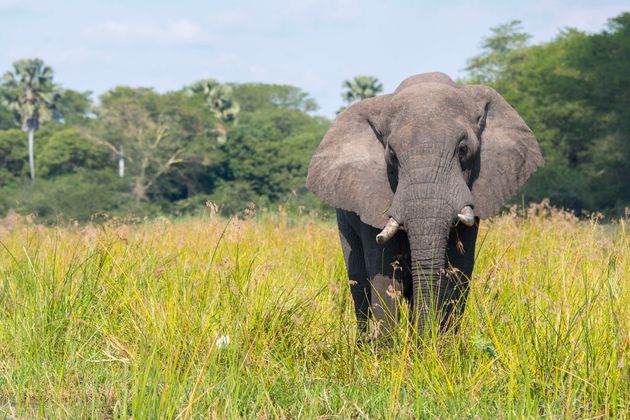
point(360, 87)
point(154, 133)
point(218, 98)
point(265, 158)
point(220, 101)
point(499, 50)
point(235, 196)
point(258, 96)
point(169, 142)
point(29, 92)
point(76, 196)
point(7, 119)
point(65, 151)
point(570, 91)
point(13, 156)
point(270, 151)
point(73, 107)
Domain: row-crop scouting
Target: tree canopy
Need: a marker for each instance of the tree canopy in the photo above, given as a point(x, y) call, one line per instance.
point(572, 91)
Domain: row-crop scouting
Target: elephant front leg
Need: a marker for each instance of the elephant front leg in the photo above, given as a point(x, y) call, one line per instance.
point(461, 260)
point(387, 294)
point(352, 248)
point(387, 266)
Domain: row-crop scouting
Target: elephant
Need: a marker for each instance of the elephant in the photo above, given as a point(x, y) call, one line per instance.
point(410, 174)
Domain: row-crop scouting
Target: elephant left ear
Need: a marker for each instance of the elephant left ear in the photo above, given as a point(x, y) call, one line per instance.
point(508, 155)
point(348, 169)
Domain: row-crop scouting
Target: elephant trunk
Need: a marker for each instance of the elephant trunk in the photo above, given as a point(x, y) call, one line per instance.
point(428, 255)
point(428, 224)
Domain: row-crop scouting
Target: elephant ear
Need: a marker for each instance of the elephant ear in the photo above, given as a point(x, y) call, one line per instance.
point(508, 155)
point(348, 169)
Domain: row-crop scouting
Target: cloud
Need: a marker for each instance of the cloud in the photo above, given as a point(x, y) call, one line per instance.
point(177, 32)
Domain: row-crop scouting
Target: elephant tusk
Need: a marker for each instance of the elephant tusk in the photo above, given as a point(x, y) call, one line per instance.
point(467, 216)
point(388, 231)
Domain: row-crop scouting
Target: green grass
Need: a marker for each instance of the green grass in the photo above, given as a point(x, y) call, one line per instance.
point(122, 321)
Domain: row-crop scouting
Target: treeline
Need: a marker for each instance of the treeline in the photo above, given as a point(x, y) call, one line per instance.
point(574, 93)
point(141, 153)
point(236, 145)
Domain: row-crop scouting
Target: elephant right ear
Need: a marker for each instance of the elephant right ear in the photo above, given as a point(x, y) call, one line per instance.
point(508, 155)
point(348, 170)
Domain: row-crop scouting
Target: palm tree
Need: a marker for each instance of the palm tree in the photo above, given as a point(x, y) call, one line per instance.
point(220, 100)
point(29, 92)
point(361, 87)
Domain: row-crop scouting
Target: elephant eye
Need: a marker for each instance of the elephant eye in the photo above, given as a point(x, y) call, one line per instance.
point(390, 155)
point(462, 151)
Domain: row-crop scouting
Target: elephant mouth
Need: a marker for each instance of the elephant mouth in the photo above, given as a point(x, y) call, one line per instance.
point(466, 216)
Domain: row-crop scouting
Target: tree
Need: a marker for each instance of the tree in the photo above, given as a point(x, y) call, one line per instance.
point(602, 60)
point(156, 132)
point(30, 93)
point(72, 107)
point(270, 151)
point(63, 150)
point(361, 87)
point(267, 154)
point(13, 157)
point(7, 120)
point(498, 50)
point(572, 92)
point(256, 96)
point(220, 100)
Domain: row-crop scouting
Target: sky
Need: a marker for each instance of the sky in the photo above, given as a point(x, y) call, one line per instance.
point(313, 44)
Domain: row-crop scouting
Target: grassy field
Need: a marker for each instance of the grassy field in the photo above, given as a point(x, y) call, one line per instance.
point(214, 318)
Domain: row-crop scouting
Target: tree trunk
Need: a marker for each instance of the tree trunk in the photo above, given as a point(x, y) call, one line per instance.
point(121, 163)
point(139, 191)
point(31, 158)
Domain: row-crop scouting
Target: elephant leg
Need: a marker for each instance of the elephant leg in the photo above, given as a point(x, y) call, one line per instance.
point(461, 259)
point(355, 267)
point(387, 271)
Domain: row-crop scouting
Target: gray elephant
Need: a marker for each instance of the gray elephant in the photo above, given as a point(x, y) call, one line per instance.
point(411, 173)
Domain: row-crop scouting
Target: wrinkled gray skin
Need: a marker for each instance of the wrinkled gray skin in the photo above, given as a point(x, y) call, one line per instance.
point(419, 156)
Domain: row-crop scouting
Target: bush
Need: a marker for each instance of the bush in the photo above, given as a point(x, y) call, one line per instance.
point(235, 196)
point(67, 197)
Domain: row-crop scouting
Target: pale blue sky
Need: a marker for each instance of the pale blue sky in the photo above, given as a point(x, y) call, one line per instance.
point(314, 44)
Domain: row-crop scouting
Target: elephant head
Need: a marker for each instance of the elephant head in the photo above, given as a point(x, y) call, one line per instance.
point(424, 158)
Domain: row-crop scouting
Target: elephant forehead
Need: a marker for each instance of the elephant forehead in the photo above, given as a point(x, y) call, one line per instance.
point(426, 102)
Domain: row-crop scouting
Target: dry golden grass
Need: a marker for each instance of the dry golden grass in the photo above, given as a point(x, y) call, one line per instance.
point(117, 320)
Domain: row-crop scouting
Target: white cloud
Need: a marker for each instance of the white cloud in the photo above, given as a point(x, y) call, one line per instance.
point(177, 32)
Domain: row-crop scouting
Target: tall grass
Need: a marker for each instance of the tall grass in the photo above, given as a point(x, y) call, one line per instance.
point(119, 321)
